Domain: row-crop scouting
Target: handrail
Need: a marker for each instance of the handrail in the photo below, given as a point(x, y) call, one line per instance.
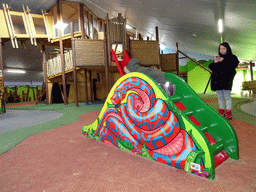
point(195, 62)
point(178, 51)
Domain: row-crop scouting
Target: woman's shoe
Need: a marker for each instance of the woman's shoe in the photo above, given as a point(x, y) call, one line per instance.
point(228, 114)
point(222, 112)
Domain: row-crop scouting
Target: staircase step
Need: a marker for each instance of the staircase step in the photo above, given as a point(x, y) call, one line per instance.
point(203, 129)
point(180, 105)
point(194, 120)
point(211, 140)
point(217, 147)
point(220, 157)
point(174, 98)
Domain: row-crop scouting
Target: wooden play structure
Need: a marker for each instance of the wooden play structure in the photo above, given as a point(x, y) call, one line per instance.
point(249, 86)
point(89, 67)
point(81, 68)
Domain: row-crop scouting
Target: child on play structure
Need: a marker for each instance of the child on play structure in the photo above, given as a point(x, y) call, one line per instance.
point(223, 73)
point(156, 74)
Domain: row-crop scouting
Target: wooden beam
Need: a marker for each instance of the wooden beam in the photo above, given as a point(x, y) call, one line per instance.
point(91, 85)
point(106, 57)
point(251, 70)
point(74, 63)
point(1, 66)
point(85, 86)
point(45, 76)
point(62, 55)
point(157, 35)
point(82, 20)
point(177, 59)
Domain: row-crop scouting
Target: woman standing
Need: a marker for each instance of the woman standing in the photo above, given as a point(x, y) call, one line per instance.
point(223, 73)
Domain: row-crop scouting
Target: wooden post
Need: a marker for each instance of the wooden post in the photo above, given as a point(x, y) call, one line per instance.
point(106, 57)
point(140, 38)
point(62, 55)
point(91, 84)
point(177, 59)
point(92, 26)
point(82, 20)
point(251, 70)
point(45, 75)
point(74, 62)
point(157, 35)
point(85, 86)
point(88, 23)
point(1, 66)
point(107, 36)
point(128, 43)
point(28, 93)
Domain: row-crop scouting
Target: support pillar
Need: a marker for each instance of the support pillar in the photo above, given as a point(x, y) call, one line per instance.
point(45, 75)
point(62, 55)
point(74, 63)
point(1, 67)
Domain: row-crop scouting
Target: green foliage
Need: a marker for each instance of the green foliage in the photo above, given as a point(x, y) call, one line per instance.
point(145, 152)
point(126, 144)
point(90, 133)
point(121, 145)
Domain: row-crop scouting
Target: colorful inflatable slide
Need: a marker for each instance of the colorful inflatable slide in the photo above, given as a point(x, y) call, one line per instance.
point(181, 130)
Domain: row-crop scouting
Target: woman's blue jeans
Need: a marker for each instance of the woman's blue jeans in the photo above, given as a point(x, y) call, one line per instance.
point(224, 96)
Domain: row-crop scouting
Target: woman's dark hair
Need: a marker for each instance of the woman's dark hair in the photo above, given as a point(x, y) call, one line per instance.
point(225, 44)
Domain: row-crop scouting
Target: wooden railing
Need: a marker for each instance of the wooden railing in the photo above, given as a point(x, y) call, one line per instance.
point(54, 64)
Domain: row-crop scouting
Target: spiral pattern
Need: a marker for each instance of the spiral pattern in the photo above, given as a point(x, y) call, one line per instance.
point(143, 119)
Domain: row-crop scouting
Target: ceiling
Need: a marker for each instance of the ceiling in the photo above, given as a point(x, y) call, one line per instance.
point(191, 23)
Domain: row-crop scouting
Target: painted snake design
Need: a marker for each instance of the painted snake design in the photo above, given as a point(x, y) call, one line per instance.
point(141, 119)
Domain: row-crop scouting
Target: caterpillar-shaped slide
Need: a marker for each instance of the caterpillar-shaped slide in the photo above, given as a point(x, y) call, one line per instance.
point(181, 130)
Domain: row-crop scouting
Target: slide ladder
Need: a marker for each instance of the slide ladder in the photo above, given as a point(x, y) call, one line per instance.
point(220, 135)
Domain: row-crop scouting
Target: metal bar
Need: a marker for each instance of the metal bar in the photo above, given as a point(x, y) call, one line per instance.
point(74, 62)
point(14, 36)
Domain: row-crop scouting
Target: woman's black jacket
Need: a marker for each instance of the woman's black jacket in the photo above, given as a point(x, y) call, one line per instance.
point(223, 73)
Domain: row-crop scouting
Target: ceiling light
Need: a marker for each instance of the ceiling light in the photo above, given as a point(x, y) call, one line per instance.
point(60, 25)
point(15, 71)
point(129, 27)
point(220, 25)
